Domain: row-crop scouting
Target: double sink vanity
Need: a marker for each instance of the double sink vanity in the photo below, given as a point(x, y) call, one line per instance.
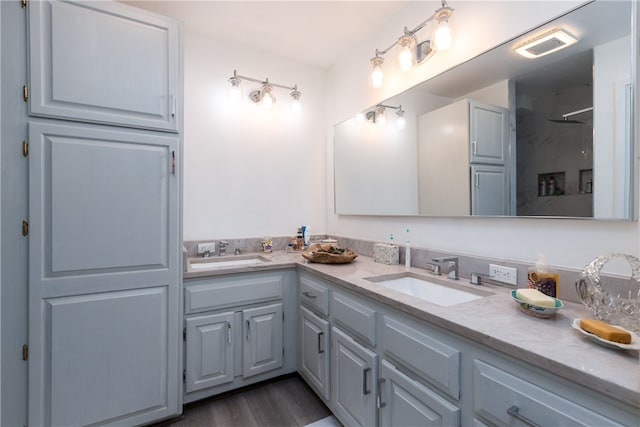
point(389, 345)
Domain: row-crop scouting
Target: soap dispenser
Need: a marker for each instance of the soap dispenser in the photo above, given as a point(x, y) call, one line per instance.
point(543, 278)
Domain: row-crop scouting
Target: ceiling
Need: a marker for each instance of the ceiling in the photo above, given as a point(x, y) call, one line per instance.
point(314, 32)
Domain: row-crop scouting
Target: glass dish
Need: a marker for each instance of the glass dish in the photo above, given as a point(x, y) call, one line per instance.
point(604, 301)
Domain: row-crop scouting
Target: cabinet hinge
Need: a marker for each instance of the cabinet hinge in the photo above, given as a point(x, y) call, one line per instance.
point(184, 375)
point(283, 316)
point(23, 3)
point(184, 334)
point(25, 93)
point(25, 148)
point(25, 352)
point(25, 227)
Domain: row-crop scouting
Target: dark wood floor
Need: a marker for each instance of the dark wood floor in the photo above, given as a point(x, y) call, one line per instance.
point(285, 401)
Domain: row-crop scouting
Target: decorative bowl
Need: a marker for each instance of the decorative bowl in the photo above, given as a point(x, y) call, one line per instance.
point(536, 310)
point(326, 253)
point(611, 304)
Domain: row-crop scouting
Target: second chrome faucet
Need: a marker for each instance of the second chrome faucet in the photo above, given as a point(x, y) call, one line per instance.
point(452, 272)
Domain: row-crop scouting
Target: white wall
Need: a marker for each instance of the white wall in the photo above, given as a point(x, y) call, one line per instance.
point(250, 172)
point(480, 25)
point(612, 66)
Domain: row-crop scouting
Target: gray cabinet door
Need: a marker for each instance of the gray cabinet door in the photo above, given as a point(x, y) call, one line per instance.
point(488, 133)
point(406, 402)
point(314, 351)
point(104, 325)
point(262, 331)
point(209, 356)
point(489, 190)
point(354, 373)
point(103, 62)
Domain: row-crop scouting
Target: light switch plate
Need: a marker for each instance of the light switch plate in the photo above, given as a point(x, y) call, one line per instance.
point(204, 247)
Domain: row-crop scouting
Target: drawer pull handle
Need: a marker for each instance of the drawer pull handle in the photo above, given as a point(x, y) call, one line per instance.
point(364, 381)
point(248, 328)
point(381, 404)
point(320, 350)
point(514, 411)
point(229, 333)
point(309, 295)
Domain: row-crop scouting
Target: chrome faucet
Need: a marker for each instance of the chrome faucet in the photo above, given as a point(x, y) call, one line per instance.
point(435, 269)
point(453, 265)
point(222, 245)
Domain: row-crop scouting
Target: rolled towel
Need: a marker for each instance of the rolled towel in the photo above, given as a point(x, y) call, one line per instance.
point(535, 297)
point(605, 331)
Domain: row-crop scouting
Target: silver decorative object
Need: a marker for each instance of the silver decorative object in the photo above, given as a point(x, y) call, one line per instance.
point(616, 307)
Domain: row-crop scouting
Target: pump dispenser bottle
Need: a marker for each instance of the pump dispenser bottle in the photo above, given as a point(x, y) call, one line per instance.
point(543, 278)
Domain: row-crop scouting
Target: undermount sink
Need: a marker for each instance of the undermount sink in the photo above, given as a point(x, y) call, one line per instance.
point(426, 289)
point(226, 261)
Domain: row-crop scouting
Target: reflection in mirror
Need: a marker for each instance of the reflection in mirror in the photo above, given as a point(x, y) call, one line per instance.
point(505, 135)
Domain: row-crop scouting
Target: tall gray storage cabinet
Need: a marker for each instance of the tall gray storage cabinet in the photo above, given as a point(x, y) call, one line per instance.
point(104, 214)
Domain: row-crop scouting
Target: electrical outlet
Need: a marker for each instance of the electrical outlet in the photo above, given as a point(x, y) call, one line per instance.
point(204, 247)
point(503, 274)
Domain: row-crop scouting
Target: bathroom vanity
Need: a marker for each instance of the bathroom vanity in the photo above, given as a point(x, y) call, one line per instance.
point(377, 356)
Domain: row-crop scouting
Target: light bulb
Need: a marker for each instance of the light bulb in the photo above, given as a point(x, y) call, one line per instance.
point(406, 59)
point(360, 118)
point(443, 36)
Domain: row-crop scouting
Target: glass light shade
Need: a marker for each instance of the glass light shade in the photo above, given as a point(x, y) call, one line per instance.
point(401, 122)
point(296, 107)
point(443, 35)
point(381, 117)
point(235, 94)
point(377, 77)
point(406, 58)
point(267, 100)
point(360, 118)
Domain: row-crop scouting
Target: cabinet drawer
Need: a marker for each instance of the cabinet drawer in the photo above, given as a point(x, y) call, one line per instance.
point(427, 357)
point(406, 402)
point(354, 317)
point(501, 397)
point(314, 294)
point(211, 294)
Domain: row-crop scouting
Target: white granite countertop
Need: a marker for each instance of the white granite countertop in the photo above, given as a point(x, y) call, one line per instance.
point(495, 321)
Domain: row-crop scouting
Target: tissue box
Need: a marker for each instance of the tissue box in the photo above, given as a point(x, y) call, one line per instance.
point(386, 253)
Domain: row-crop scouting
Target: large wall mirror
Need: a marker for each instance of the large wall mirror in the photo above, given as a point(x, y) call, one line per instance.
point(505, 135)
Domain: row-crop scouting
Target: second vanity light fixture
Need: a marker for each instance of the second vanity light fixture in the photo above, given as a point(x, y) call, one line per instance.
point(378, 115)
point(410, 51)
point(264, 95)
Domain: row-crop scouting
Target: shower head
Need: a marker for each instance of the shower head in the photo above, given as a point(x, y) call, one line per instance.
point(565, 117)
point(565, 121)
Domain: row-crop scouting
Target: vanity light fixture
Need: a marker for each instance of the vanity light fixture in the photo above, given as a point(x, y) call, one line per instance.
point(544, 44)
point(377, 115)
point(264, 95)
point(412, 52)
